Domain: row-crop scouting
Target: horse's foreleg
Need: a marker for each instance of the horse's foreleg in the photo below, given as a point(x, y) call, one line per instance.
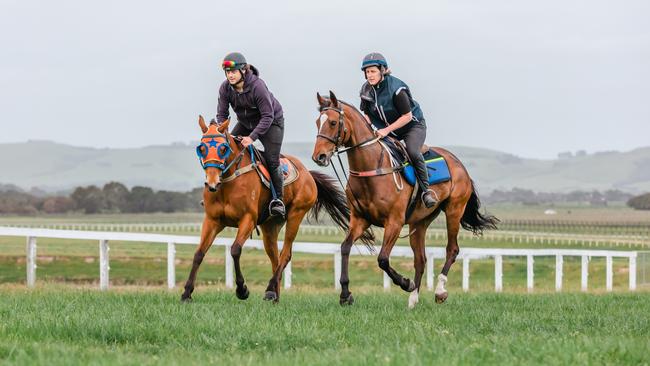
point(391, 233)
point(246, 226)
point(357, 227)
point(209, 231)
point(419, 260)
point(454, 213)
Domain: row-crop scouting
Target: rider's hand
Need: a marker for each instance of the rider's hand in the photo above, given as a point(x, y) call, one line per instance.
point(245, 141)
point(383, 132)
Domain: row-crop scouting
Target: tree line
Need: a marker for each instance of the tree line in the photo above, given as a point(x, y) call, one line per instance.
point(113, 197)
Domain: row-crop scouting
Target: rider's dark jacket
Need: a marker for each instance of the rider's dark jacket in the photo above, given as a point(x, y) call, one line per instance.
point(377, 103)
point(256, 107)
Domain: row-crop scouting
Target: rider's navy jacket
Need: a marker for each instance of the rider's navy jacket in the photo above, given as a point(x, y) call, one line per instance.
point(377, 103)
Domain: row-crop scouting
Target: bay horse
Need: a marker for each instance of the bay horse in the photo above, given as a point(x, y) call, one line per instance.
point(375, 197)
point(235, 196)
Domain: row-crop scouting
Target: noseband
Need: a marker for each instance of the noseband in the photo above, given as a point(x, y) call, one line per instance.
point(340, 134)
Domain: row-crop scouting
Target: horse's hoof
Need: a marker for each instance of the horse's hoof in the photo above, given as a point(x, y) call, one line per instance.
point(346, 300)
point(408, 285)
point(186, 299)
point(441, 297)
point(270, 296)
point(242, 294)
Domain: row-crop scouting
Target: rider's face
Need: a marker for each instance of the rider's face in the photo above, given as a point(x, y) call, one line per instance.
point(233, 76)
point(373, 75)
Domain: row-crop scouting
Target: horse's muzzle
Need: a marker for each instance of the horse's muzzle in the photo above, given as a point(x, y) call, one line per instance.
point(322, 159)
point(212, 188)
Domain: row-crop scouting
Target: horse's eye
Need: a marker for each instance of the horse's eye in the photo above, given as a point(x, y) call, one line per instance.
point(202, 148)
point(222, 149)
point(332, 123)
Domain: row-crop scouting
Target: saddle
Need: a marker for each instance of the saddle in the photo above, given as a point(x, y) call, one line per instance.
point(437, 169)
point(289, 170)
point(436, 164)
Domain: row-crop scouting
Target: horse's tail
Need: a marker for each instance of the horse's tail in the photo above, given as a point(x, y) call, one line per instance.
point(333, 200)
point(473, 220)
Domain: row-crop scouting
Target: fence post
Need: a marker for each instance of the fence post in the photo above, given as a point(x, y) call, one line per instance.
point(171, 265)
point(530, 275)
point(287, 275)
point(559, 260)
point(498, 273)
point(633, 272)
point(229, 267)
point(584, 270)
point(387, 281)
point(31, 261)
point(465, 274)
point(337, 270)
point(430, 271)
point(103, 265)
point(608, 273)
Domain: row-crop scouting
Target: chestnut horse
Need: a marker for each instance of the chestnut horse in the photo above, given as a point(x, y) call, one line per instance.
point(377, 199)
point(235, 196)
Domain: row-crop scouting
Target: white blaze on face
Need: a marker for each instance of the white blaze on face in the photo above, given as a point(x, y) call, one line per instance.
point(323, 119)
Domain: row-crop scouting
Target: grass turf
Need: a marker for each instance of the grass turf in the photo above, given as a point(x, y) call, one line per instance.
point(59, 325)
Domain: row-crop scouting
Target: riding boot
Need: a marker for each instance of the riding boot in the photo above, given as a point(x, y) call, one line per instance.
point(276, 207)
point(422, 176)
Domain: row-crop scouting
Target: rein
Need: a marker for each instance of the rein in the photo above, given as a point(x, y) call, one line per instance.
point(340, 139)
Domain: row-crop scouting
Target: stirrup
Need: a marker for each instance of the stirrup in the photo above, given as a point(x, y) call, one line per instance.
point(277, 208)
point(435, 200)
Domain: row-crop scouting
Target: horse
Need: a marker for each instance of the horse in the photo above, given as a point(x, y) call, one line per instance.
point(234, 196)
point(376, 198)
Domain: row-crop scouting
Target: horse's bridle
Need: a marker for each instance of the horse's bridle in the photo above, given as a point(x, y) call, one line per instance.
point(209, 160)
point(340, 135)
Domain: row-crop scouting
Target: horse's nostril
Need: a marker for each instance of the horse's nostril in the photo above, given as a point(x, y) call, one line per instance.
point(322, 158)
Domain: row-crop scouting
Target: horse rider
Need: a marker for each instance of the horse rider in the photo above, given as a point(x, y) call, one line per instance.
point(387, 103)
point(259, 117)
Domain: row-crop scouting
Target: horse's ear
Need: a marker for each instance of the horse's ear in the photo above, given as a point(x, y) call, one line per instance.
point(334, 102)
point(321, 101)
point(223, 126)
point(204, 128)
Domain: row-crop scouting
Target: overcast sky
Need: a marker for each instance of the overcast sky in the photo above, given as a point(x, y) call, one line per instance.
point(532, 78)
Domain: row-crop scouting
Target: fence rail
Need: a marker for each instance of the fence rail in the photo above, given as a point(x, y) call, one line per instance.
point(523, 237)
point(466, 255)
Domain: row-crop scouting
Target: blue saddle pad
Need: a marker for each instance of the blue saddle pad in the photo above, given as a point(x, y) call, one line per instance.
point(436, 167)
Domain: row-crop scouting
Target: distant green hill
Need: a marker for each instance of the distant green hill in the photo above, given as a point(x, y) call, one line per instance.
point(51, 166)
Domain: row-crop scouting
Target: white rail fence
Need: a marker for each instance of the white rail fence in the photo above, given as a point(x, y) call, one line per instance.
point(466, 255)
point(528, 237)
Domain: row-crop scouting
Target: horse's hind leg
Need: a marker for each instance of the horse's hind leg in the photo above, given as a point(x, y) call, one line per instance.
point(246, 225)
point(209, 231)
point(454, 213)
point(294, 218)
point(270, 231)
point(391, 233)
